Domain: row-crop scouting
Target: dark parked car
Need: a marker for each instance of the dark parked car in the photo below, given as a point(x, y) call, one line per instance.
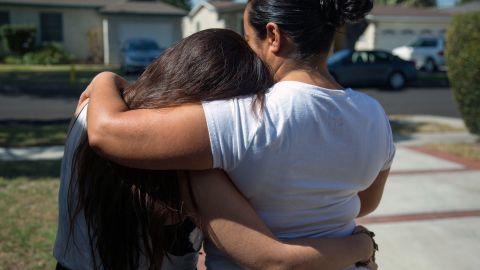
point(139, 53)
point(371, 68)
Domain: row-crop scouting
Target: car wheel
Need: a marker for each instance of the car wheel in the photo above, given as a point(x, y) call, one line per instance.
point(430, 65)
point(396, 80)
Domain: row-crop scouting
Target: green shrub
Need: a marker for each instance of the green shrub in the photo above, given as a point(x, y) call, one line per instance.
point(13, 60)
point(18, 39)
point(49, 54)
point(463, 61)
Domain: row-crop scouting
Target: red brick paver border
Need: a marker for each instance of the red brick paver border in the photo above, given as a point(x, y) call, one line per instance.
point(418, 217)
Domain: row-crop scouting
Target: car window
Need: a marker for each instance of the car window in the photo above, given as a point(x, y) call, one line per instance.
point(424, 43)
point(416, 43)
point(143, 45)
point(360, 57)
point(379, 57)
point(429, 43)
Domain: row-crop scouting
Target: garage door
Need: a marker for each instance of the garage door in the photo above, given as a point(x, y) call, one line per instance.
point(160, 32)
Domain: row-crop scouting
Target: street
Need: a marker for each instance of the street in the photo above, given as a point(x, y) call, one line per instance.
point(427, 101)
point(424, 101)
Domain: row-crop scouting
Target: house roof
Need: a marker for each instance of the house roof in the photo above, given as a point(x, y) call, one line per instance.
point(106, 6)
point(143, 8)
point(403, 11)
point(220, 6)
point(226, 6)
point(472, 6)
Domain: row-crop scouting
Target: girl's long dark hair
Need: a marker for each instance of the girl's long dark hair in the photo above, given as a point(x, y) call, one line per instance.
point(126, 209)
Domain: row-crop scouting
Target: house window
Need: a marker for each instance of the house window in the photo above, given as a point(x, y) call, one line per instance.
point(4, 17)
point(426, 32)
point(408, 32)
point(51, 27)
point(388, 32)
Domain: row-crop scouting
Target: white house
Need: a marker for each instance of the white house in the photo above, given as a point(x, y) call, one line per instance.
point(85, 27)
point(394, 26)
point(214, 14)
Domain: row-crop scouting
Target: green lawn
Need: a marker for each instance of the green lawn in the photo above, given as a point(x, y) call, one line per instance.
point(54, 68)
point(464, 150)
point(22, 135)
point(403, 126)
point(28, 214)
point(28, 222)
point(56, 74)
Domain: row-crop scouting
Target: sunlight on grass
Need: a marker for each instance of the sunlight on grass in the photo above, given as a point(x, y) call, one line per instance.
point(464, 150)
point(403, 125)
point(21, 135)
point(28, 223)
point(55, 68)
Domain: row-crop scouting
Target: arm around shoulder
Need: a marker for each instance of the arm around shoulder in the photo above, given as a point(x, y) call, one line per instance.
point(168, 138)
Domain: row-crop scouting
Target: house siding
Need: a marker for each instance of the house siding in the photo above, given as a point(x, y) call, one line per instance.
point(233, 21)
point(205, 19)
point(388, 32)
point(75, 20)
point(367, 40)
point(164, 30)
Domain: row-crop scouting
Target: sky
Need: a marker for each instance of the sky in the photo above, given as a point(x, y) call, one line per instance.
point(441, 3)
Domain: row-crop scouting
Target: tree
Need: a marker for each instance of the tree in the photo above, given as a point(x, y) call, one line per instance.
point(461, 2)
point(185, 4)
point(463, 61)
point(412, 3)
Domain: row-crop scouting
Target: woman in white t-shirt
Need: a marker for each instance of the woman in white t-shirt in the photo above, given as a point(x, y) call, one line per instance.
point(317, 156)
point(114, 217)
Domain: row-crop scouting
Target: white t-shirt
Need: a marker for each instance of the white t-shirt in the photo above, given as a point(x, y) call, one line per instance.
point(76, 253)
point(303, 161)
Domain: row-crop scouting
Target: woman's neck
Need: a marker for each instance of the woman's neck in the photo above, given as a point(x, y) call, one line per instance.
point(312, 71)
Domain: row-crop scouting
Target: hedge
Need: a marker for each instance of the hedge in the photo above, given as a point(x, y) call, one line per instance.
point(463, 61)
point(18, 39)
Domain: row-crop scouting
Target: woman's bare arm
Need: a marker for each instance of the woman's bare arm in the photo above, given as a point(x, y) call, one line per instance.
point(233, 226)
point(370, 198)
point(170, 138)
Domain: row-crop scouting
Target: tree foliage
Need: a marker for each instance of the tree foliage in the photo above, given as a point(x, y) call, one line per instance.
point(185, 4)
point(412, 3)
point(463, 62)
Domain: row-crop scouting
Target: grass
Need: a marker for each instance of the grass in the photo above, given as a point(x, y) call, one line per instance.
point(432, 76)
point(401, 125)
point(54, 68)
point(28, 222)
point(55, 74)
point(29, 169)
point(465, 150)
point(28, 214)
point(23, 135)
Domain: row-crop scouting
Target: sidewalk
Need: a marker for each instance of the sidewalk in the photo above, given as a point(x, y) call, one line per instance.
point(429, 217)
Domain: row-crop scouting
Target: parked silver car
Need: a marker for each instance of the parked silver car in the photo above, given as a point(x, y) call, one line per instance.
point(138, 53)
point(426, 52)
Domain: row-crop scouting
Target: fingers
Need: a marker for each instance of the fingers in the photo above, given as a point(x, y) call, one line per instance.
point(85, 94)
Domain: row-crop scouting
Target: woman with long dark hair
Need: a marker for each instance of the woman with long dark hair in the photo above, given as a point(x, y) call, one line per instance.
point(115, 217)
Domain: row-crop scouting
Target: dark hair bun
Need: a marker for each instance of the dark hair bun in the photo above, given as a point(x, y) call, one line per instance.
point(340, 12)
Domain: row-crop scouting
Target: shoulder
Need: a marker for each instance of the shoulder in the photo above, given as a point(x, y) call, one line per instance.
point(366, 103)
